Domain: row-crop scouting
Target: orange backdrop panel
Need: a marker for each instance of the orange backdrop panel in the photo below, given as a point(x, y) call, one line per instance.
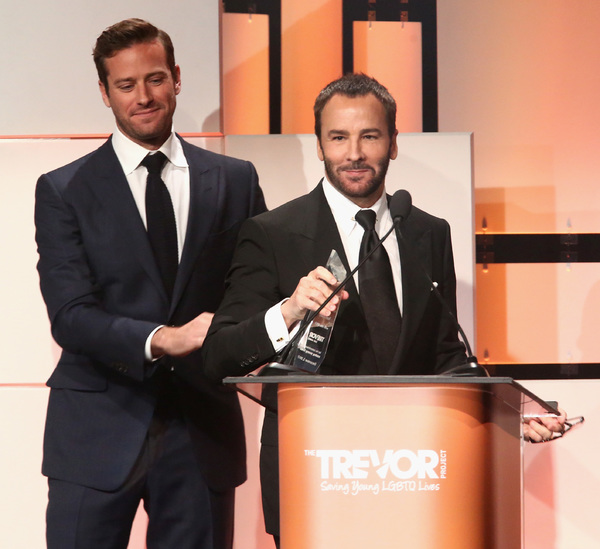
point(391, 52)
point(311, 57)
point(245, 59)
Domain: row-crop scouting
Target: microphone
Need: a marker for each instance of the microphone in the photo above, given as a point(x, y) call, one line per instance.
point(471, 368)
point(400, 206)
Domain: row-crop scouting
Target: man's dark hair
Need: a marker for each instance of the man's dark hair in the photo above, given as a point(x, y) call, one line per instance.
point(125, 34)
point(356, 85)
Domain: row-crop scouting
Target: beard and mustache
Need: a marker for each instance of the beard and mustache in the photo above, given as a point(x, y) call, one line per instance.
point(369, 187)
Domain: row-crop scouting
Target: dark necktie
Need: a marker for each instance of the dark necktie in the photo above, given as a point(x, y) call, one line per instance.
point(378, 294)
point(160, 220)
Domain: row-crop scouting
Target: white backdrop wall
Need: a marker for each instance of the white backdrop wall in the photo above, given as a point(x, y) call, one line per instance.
point(49, 83)
point(435, 168)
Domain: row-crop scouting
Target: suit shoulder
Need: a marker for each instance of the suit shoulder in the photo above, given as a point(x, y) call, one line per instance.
point(69, 170)
point(63, 175)
point(423, 218)
point(283, 215)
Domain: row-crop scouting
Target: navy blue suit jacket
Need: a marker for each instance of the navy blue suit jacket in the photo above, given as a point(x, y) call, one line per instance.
point(104, 296)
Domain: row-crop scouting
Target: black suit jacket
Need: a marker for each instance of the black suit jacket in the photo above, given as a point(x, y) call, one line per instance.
point(274, 251)
point(279, 247)
point(104, 296)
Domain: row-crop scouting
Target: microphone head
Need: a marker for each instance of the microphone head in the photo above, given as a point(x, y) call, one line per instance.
point(400, 205)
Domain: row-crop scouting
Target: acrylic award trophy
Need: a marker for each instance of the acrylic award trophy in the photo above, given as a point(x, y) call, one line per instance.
point(308, 352)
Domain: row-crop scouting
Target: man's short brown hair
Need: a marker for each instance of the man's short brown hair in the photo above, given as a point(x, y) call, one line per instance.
point(125, 34)
point(356, 85)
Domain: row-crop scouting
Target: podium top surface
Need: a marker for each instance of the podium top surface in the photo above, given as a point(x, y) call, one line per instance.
point(505, 388)
point(317, 379)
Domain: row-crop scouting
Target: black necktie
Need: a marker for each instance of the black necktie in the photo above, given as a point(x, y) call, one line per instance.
point(378, 294)
point(160, 220)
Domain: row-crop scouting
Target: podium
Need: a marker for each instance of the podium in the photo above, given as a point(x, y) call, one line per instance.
point(388, 462)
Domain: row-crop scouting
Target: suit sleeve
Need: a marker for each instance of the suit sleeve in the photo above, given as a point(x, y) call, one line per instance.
point(256, 203)
point(79, 322)
point(237, 342)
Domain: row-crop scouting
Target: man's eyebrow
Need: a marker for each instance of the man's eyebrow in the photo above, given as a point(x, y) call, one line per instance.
point(377, 131)
point(365, 130)
point(126, 79)
point(132, 79)
point(157, 73)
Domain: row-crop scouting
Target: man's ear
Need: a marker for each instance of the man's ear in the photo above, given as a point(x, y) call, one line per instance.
point(394, 146)
point(104, 93)
point(177, 79)
point(320, 150)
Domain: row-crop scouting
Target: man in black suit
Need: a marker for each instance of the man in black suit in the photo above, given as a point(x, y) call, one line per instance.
point(269, 291)
point(268, 288)
point(131, 416)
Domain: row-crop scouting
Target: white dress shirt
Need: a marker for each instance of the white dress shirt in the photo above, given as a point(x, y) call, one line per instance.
point(175, 174)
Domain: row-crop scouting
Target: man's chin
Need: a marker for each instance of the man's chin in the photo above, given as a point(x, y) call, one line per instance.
point(362, 194)
point(149, 136)
point(358, 187)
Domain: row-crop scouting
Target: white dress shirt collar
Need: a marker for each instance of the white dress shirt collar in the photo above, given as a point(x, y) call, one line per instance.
point(130, 154)
point(344, 210)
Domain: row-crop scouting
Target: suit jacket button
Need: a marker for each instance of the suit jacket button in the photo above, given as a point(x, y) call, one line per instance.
point(119, 367)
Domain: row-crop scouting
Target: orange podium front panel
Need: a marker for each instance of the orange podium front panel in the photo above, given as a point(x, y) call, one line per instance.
point(421, 467)
point(389, 462)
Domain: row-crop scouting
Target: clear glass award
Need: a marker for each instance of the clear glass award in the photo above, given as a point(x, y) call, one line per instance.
point(310, 350)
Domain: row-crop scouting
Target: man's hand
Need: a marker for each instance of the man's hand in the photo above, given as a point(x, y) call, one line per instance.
point(181, 340)
point(542, 429)
point(312, 290)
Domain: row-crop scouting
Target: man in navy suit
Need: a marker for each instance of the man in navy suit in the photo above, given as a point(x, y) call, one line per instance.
point(130, 416)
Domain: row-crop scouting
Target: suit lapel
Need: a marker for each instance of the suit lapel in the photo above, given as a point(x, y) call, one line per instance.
point(110, 187)
point(349, 334)
point(317, 233)
point(415, 252)
point(204, 208)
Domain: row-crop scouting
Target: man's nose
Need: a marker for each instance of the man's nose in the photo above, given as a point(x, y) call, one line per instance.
point(144, 95)
point(355, 150)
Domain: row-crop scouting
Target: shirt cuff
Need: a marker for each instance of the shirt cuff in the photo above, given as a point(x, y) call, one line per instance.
point(148, 346)
point(276, 327)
